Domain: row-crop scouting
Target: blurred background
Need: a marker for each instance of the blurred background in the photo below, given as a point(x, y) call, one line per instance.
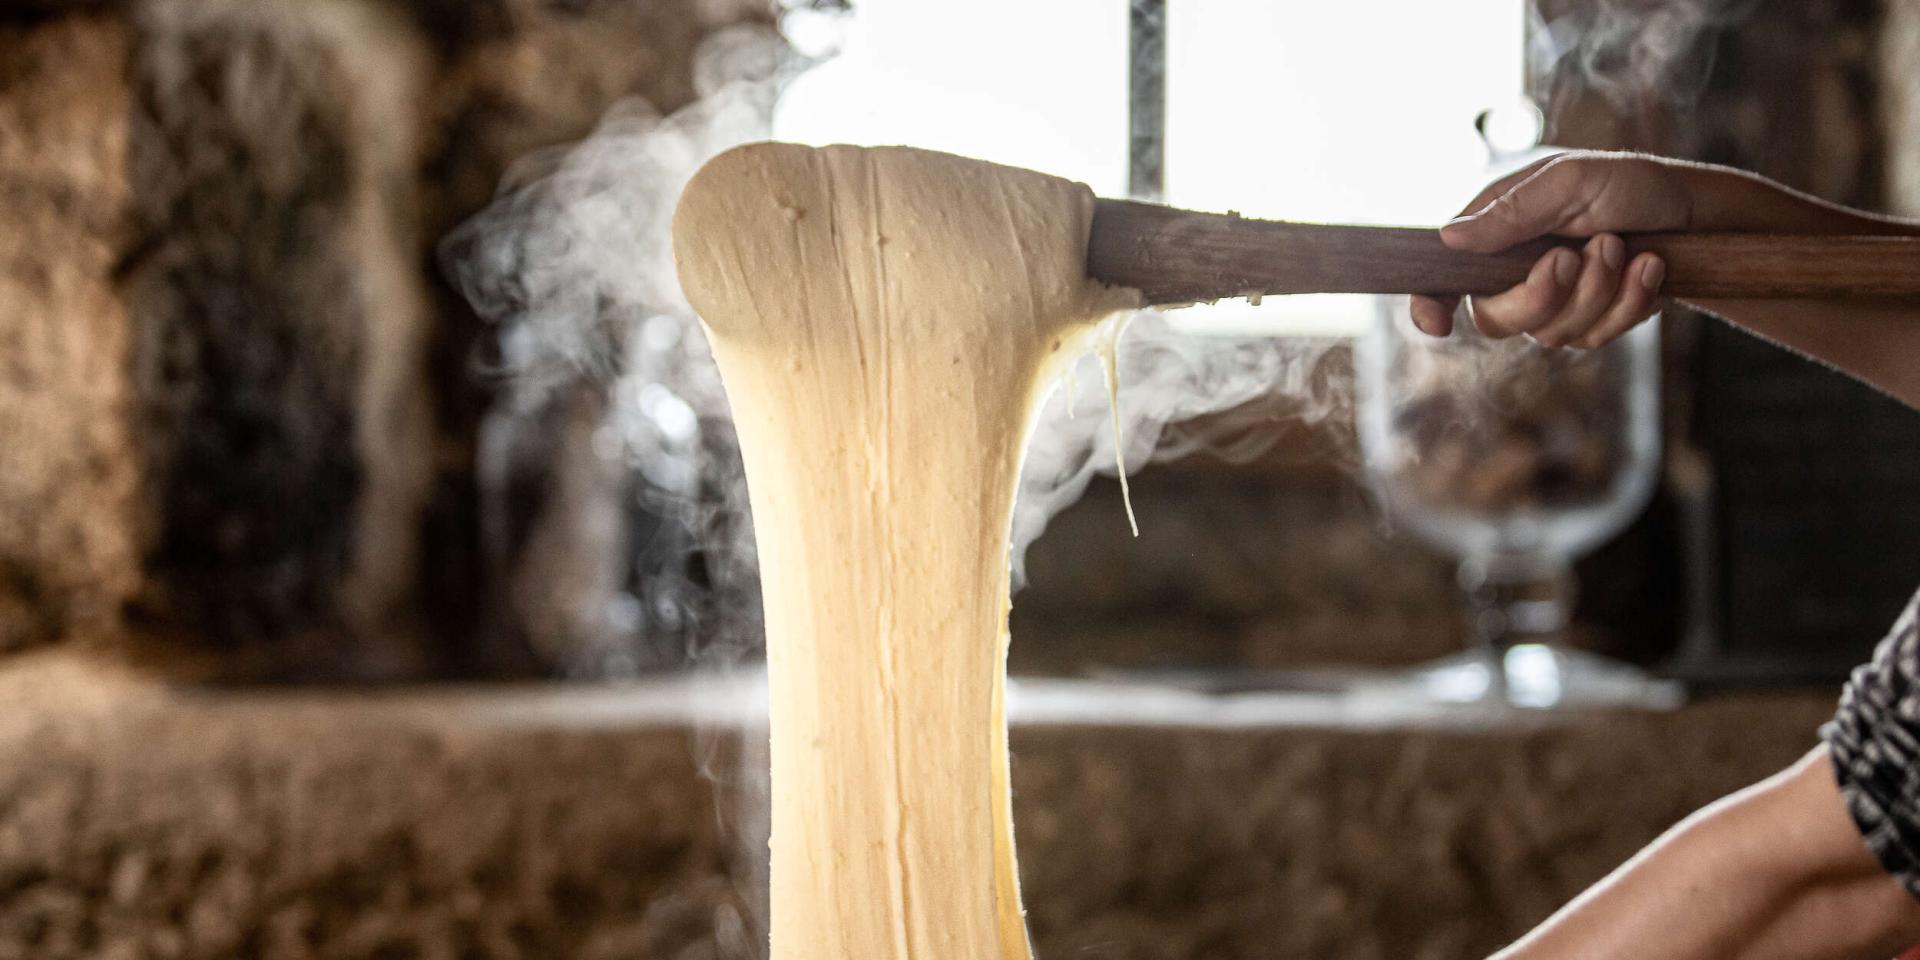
point(374, 576)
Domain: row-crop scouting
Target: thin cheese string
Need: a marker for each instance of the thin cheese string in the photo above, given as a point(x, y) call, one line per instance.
point(1108, 346)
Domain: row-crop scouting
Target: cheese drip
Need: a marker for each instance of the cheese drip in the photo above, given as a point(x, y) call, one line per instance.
point(884, 321)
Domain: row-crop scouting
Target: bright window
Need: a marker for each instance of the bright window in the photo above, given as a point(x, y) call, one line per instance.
point(1353, 112)
point(1033, 83)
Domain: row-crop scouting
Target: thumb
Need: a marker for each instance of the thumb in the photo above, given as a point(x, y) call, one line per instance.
point(1533, 207)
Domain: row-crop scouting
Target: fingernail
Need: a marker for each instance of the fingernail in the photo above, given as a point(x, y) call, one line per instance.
point(1651, 274)
point(1566, 266)
point(1425, 318)
point(1613, 251)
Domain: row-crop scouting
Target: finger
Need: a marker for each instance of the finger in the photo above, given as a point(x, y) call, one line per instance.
point(1639, 296)
point(1601, 263)
point(1535, 206)
point(1534, 302)
point(1433, 315)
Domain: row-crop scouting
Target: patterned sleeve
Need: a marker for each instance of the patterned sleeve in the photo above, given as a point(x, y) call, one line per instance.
point(1874, 739)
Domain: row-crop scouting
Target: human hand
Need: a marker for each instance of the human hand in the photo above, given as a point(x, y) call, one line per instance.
point(1581, 299)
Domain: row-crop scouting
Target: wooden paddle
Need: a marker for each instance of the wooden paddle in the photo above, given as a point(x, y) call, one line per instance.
point(1176, 256)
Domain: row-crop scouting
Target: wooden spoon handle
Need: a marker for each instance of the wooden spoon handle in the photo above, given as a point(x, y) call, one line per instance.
point(1175, 256)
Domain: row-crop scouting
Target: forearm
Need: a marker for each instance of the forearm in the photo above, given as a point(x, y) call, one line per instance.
point(1777, 870)
point(1878, 342)
point(1723, 199)
point(1864, 917)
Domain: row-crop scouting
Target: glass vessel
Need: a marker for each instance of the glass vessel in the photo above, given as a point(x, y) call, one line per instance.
point(1517, 461)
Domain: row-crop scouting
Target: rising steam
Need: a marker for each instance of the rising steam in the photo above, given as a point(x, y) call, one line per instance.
point(1180, 394)
point(573, 264)
point(1626, 50)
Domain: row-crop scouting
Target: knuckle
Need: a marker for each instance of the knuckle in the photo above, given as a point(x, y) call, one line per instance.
point(1567, 169)
point(1591, 300)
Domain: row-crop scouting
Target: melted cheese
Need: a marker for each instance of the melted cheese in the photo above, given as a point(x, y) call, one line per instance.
point(884, 320)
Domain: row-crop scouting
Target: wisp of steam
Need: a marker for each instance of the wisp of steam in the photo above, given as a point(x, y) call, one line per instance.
point(1625, 49)
point(1179, 394)
point(572, 265)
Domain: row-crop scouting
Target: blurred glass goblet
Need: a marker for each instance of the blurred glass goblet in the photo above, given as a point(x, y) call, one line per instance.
point(1517, 461)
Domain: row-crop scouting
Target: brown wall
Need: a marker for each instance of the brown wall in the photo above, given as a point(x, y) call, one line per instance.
point(242, 406)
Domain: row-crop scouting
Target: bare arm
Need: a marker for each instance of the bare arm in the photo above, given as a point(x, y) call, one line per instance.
point(1776, 870)
point(1588, 299)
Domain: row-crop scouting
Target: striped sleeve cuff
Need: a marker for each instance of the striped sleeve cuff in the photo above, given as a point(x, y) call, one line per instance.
point(1874, 740)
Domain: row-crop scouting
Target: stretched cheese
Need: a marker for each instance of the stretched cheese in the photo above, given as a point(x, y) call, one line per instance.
point(885, 321)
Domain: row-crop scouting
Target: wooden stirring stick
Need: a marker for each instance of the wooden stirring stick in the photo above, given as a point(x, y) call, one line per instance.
point(1176, 256)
